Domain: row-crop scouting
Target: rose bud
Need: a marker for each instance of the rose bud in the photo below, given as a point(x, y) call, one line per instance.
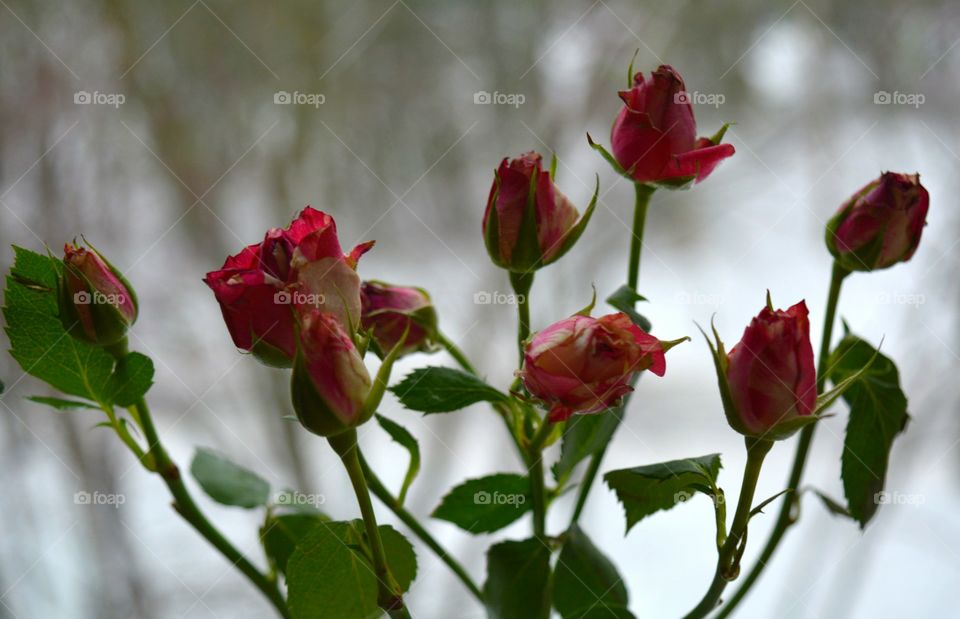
point(583, 365)
point(390, 311)
point(771, 376)
point(97, 304)
point(297, 268)
point(330, 383)
point(528, 223)
point(654, 138)
point(881, 224)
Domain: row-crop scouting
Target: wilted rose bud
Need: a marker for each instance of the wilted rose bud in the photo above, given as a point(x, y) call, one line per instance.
point(770, 373)
point(97, 304)
point(881, 224)
point(528, 223)
point(583, 364)
point(390, 311)
point(654, 138)
point(330, 383)
point(261, 289)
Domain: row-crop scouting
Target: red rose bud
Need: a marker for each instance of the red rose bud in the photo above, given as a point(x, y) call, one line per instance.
point(654, 138)
point(881, 224)
point(770, 374)
point(298, 268)
point(583, 365)
point(528, 223)
point(390, 311)
point(330, 383)
point(97, 304)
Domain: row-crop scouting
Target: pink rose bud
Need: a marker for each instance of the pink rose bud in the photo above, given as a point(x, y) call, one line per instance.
point(881, 224)
point(330, 383)
point(299, 268)
point(654, 138)
point(528, 223)
point(770, 373)
point(97, 304)
point(390, 311)
point(583, 365)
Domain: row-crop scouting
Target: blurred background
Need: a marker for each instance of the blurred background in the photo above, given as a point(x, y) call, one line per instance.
point(161, 131)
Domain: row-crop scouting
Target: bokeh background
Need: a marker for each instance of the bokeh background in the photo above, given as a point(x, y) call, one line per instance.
point(199, 160)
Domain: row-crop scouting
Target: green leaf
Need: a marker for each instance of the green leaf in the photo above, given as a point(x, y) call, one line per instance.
point(38, 341)
point(645, 490)
point(62, 404)
point(518, 577)
point(400, 434)
point(281, 534)
point(583, 436)
point(45, 350)
point(131, 379)
point(228, 483)
point(327, 579)
point(878, 413)
point(625, 299)
point(486, 504)
point(401, 558)
point(330, 573)
point(441, 390)
point(585, 581)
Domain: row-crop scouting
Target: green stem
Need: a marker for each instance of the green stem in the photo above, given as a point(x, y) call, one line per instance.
point(390, 598)
point(642, 195)
point(537, 484)
point(380, 491)
point(787, 515)
point(641, 202)
point(190, 512)
point(522, 282)
point(727, 565)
